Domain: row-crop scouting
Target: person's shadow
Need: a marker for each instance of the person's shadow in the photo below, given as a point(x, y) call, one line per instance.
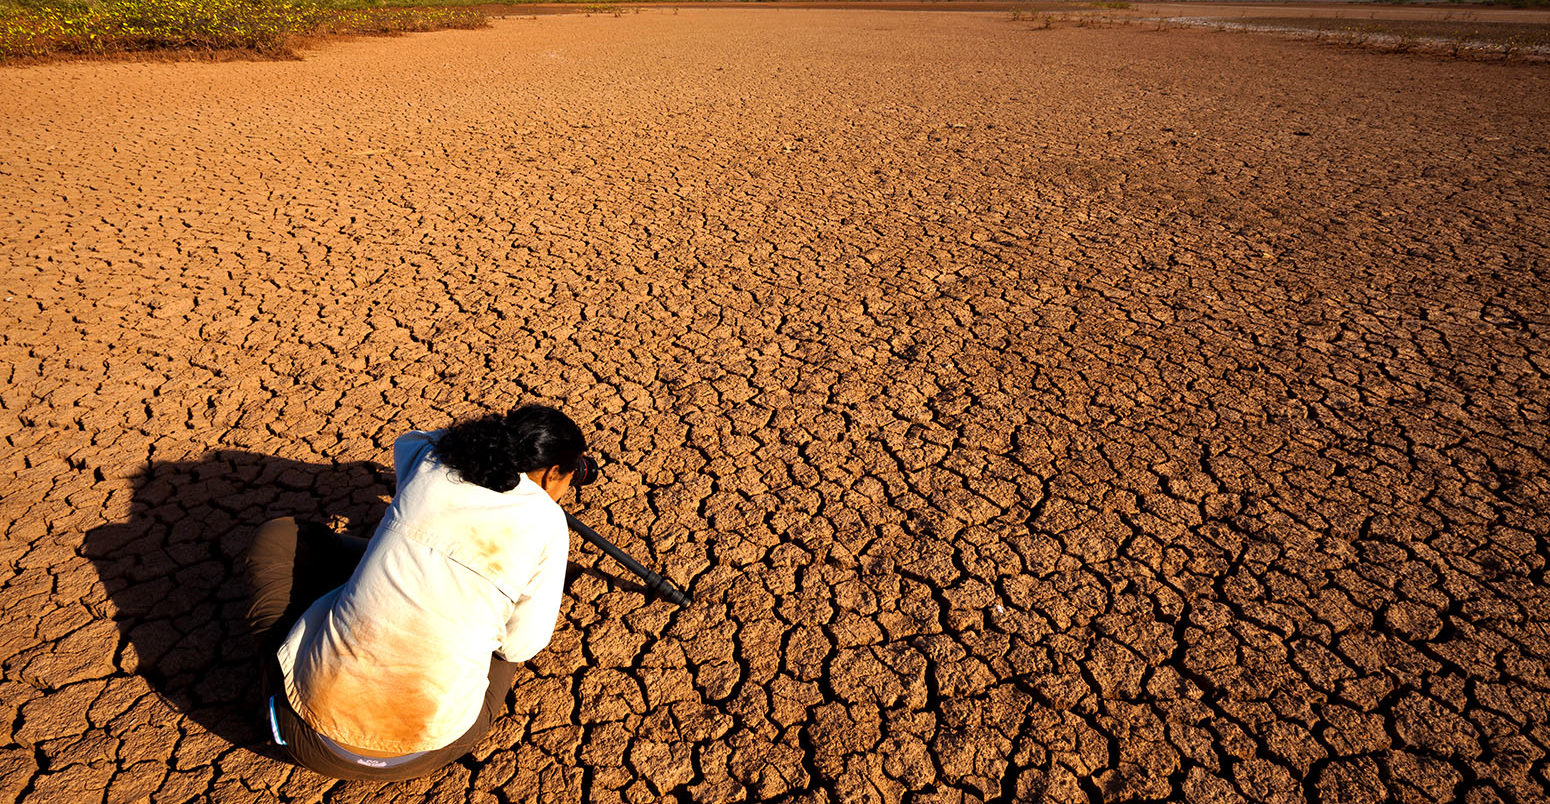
point(173, 571)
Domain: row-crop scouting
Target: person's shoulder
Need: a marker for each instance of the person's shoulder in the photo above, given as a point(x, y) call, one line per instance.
point(410, 449)
point(415, 441)
point(554, 522)
point(541, 512)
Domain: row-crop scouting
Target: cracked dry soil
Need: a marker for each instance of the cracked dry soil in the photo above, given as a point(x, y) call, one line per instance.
point(1075, 415)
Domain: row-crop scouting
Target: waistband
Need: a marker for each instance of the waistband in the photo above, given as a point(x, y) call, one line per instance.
point(370, 762)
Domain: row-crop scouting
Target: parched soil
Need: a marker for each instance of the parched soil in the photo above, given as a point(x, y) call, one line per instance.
point(1072, 415)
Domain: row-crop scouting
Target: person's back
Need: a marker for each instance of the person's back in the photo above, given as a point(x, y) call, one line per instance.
point(402, 668)
point(396, 660)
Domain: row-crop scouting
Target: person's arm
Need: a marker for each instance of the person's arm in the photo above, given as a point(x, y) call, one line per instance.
point(533, 620)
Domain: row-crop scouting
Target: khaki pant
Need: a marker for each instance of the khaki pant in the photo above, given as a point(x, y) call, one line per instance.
point(289, 565)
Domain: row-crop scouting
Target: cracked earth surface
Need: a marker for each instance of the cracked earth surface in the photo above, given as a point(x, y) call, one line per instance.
point(1075, 415)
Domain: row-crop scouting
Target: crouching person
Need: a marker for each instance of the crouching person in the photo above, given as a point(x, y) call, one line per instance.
point(389, 659)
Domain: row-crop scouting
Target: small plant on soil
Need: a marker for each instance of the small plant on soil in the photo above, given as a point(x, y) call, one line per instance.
point(1027, 14)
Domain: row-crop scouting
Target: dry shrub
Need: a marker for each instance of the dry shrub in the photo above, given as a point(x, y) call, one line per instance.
point(388, 21)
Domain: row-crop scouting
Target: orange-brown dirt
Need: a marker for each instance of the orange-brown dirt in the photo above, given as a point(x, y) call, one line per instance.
point(1072, 415)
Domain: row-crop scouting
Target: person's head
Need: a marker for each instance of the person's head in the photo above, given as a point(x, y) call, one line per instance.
point(498, 450)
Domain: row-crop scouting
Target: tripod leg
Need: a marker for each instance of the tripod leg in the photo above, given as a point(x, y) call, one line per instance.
point(662, 586)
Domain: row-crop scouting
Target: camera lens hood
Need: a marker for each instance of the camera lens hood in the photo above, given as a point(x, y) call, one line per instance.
point(586, 471)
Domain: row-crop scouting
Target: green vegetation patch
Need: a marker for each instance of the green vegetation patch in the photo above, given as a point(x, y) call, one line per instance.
point(31, 28)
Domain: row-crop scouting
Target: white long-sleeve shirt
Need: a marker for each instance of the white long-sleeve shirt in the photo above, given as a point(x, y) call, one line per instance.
point(397, 659)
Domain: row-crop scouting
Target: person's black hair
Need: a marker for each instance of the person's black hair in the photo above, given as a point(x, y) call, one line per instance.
point(494, 451)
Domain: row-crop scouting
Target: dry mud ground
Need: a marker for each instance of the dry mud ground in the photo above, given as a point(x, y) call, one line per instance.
point(1078, 415)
